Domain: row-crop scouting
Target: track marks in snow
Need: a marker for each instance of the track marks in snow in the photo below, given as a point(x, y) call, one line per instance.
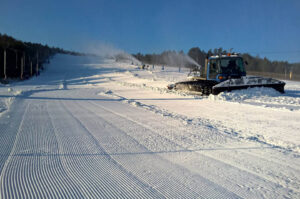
point(7, 191)
point(166, 177)
point(258, 178)
point(9, 129)
point(154, 164)
point(33, 171)
point(113, 141)
point(99, 175)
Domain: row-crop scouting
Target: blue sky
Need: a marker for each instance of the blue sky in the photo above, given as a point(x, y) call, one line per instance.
point(268, 28)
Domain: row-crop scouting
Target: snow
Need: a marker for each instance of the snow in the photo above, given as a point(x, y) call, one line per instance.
point(93, 128)
point(248, 80)
point(7, 98)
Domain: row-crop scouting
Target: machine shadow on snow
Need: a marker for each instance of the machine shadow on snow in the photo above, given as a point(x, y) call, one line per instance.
point(76, 71)
point(140, 153)
point(57, 98)
point(85, 81)
point(292, 93)
point(28, 96)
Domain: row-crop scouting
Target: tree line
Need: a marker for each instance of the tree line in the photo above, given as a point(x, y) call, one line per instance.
point(20, 59)
point(255, 65)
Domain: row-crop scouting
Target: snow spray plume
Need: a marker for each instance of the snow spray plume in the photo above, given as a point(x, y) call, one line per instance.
point(108, 51)
point(178, 59)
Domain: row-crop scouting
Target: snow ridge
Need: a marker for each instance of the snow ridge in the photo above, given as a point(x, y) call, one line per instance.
point(207, 123)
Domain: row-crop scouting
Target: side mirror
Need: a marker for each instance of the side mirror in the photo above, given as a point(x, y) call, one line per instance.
point(246, 62)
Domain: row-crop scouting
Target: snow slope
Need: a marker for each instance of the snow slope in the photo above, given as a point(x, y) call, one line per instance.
point(92, 128)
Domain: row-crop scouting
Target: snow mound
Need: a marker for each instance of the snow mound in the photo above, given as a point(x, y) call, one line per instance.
point(62, 86)
point(3, 106)
point(261, 96)
point(244, 94)
point(108, 93)
point(5, 103)
point(18, 92)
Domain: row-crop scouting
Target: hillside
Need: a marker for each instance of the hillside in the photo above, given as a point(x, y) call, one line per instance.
point(24, 59)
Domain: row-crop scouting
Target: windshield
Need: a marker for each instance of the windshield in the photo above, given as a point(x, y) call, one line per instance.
point(232, 65)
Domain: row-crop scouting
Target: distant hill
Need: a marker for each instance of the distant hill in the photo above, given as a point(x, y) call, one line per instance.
point(24, 59)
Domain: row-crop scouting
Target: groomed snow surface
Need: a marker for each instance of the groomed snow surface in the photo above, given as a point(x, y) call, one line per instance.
point(94, 128)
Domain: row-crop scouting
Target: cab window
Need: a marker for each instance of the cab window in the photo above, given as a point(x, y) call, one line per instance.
point(232, 65)
point(213, 69)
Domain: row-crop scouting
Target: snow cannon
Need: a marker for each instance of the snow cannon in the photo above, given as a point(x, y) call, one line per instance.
point(224, 73)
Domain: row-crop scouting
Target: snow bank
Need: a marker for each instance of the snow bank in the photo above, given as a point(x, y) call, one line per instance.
point(250, 93)
point(261, 96)
point(9, 94)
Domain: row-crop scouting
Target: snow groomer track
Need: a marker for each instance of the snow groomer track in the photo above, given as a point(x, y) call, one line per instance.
point(99, 129)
